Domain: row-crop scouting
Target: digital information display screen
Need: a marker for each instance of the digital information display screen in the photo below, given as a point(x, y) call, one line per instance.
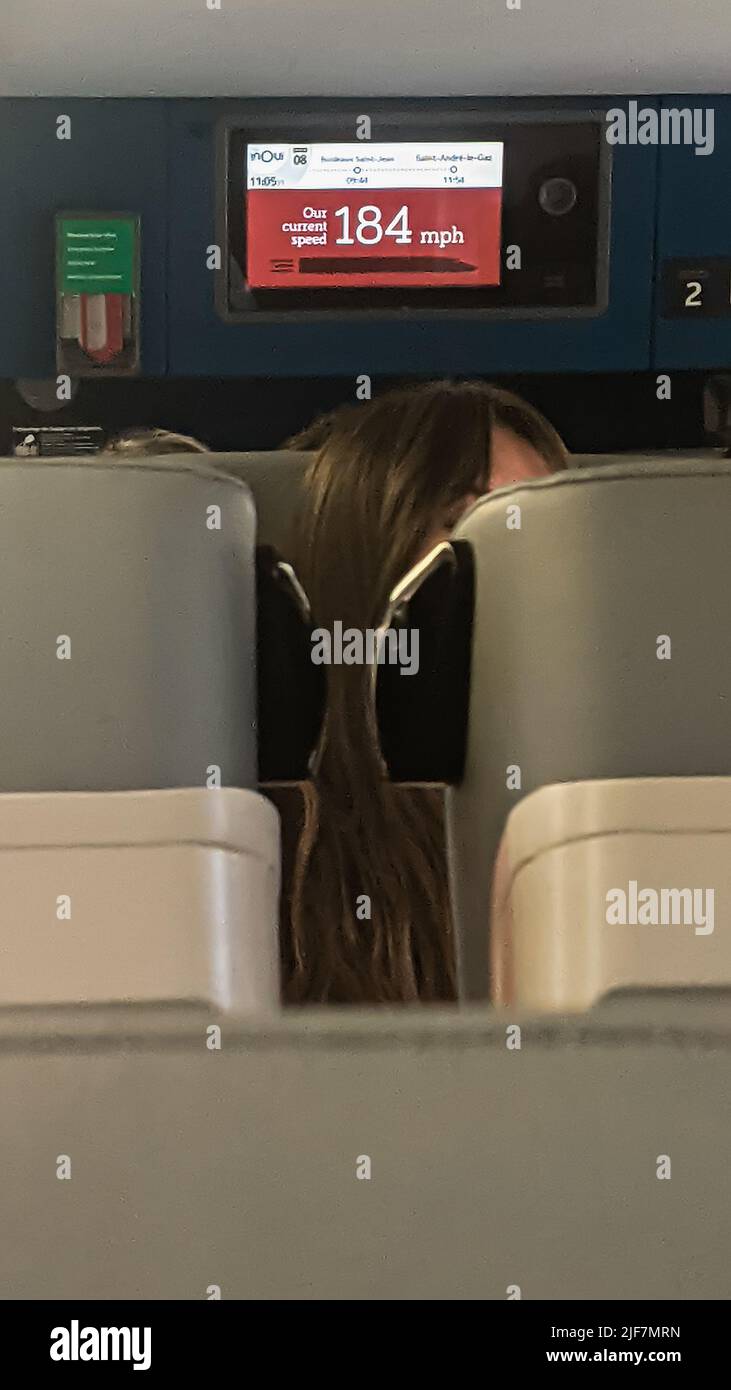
point(413, 214)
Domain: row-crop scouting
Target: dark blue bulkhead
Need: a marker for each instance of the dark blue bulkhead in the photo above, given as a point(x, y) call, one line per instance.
point(156, 158)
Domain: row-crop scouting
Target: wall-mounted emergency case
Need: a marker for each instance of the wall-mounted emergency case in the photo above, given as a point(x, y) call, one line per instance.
point(97, 294)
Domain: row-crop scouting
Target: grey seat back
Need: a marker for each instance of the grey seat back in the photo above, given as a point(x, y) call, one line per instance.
point(127, 625)
point(276, 481)
point(571, 607)
point(346, 1155)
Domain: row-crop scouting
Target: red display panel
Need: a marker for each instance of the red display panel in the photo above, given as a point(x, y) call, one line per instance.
point(413, 220)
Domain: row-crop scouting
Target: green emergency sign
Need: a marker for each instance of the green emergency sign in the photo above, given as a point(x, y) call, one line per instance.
point(96, 255)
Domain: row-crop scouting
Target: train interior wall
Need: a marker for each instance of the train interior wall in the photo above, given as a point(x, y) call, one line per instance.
point(605, 413)
point(249, 385)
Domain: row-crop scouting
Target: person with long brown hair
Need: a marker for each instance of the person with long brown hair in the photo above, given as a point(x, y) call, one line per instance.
point(366, 906)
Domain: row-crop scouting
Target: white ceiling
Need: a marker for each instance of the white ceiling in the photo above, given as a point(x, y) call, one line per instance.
point(362, 47)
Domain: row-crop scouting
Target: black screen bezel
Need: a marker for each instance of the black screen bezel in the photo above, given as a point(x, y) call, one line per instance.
point(537, 145)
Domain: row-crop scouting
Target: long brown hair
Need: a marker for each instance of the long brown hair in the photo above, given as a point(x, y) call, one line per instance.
point(369, 912)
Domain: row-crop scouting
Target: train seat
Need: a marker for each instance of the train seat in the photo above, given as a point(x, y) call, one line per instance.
point(145, 897)
point(123, 671)
point(275, 479)
point(613, 885)
point(137, 858)
point(599, 655)
point(424, 1153)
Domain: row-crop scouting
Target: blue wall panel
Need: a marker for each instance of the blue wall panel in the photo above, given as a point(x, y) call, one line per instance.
point(115, 161)
point(694, 221)
point(202, 344)
point(156, 158)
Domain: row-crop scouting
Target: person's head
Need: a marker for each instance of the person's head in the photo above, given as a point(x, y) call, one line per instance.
point(145, 443)
point(523, 446)
point(391, 477)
